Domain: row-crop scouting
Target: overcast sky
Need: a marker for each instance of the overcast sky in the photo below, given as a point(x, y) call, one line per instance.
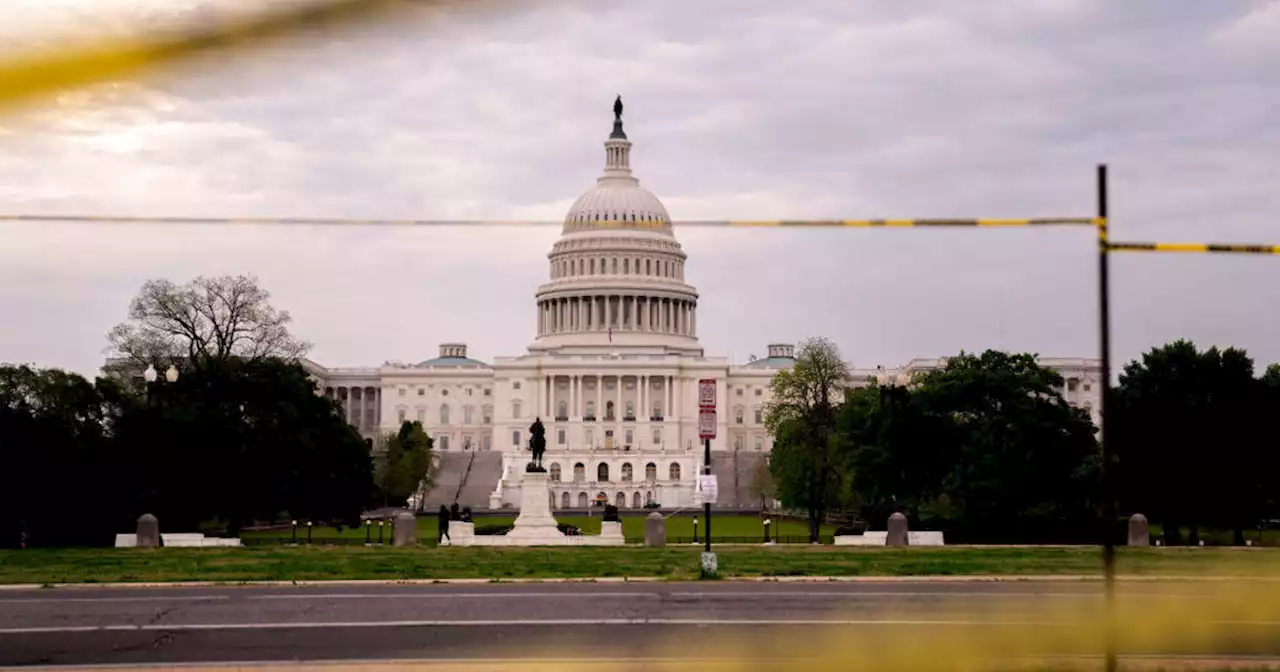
point(739, 109)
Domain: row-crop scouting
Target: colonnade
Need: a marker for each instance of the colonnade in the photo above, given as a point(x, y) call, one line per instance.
point(648, 314)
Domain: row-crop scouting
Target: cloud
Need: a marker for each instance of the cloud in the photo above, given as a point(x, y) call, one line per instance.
point(739, 109)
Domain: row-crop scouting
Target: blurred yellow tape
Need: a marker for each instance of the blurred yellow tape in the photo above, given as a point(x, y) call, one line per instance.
point(1214, 248)
point(23, 79)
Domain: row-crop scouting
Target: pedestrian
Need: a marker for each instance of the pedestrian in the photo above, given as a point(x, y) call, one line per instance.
point(443, 525)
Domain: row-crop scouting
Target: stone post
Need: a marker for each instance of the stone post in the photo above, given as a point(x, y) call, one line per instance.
point(1139, 530)
point(897, 531)
point(655, 530)
point(406, 528)
point(148, 531)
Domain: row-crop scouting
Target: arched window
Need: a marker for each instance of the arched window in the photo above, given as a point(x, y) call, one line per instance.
point(631, 409)
point(468, 415)
point(674, 471)
point(555, 471)
point(615, 265)
point(737, 414)
point(486, 414)
point(759, 443)
point(591, 410)
point(737, 442)
point(444, 415)
point(635, 500)
point(602, 498)
point(593, 272)
point(564, 501)
point(579, 472)
point(562, 409)
point(648, 268)
point(651, 472)
point(627, 472)
point(515, 409)
point(582, 500)
point(648, 497)
point(602, 473)
point(620, 500)
point(608, 410)
point(626, 266)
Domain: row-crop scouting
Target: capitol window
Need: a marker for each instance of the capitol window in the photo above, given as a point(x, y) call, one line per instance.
point(591, 409)
point(629, 436)
point(737, 415)
point(400, 415)
point(401, 391)
point(627, 472)
point(467, 415)
point(555, 472)
point(421, 392)
point(444, 392)
point(515, 385)
point(759, 391)
point(759, 417)
point(444, 415)
point(739, 391)
point(615, 265)
point(651, 472)
point(759, 443)
point(487, 392)
point(422, 415)
point(515, 438)
point(657, 436)
point(579, 472)
point(515, 409)
point(674, 471)
point(487, 414)
point(560, 437)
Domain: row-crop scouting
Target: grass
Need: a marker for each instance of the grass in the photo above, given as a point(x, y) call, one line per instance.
point(284, 563)
point(722, 527)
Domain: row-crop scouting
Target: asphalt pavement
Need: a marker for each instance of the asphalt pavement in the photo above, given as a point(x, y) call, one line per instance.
point(554, 621)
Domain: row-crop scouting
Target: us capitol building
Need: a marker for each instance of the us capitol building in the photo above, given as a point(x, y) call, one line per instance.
point(613, 375)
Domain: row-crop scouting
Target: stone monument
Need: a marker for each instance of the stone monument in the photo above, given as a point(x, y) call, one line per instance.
point(148, 531)
point(897, 536)
point(406, 529)
point(1139, 530)
point(655, 530)
point(535, 522)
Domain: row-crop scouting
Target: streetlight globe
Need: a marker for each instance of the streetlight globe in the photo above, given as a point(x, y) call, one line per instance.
point(172, 374)
point(150, 374)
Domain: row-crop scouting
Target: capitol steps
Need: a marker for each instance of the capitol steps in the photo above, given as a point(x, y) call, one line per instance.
point(481, 479)
point(447, 479)
point(735, 473)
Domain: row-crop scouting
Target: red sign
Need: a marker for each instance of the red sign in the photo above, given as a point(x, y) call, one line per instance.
point(707, 423)
point(707, 393)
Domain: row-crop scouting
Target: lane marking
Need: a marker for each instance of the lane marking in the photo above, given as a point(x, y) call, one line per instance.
point(107, 599)
point(563, 622)
point(811, 594)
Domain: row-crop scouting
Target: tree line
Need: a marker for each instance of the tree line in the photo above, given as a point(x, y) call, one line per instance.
point(988, 449)
point(239, 436)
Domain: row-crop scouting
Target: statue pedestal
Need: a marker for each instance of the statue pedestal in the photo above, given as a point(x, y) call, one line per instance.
point(535, 522)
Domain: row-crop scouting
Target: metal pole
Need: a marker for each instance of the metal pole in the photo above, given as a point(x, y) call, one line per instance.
point(706, 507)
point(1108, 491)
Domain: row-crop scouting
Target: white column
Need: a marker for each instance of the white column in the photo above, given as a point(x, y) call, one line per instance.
point(618, 410)
point(693, 318)
point(643, 385)
point(573, 397)
point(599, 397)
point(548, 385)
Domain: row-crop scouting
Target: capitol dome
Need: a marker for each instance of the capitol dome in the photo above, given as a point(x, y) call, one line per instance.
point(617, 272)
point(617, 201)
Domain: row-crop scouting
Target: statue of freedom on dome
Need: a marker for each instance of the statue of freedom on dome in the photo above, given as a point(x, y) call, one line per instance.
point(617, 108)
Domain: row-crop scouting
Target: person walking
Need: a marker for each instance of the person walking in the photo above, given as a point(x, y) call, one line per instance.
point(443, 525)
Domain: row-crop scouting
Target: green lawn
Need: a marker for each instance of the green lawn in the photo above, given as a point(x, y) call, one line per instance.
point(381, 562)
point(722, 527)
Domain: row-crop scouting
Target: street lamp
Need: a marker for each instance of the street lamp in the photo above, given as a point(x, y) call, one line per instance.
point(150, 374)
point(695, 529)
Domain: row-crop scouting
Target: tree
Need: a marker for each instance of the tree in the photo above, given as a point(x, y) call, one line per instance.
point(206, 321)
point(404, 468)
point(1015, 452)
point(801, 417)
point(985, 444)
point(56, 457)
point(1190, 438)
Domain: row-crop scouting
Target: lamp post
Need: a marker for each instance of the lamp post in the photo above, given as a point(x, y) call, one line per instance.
point(368, 532)
point(695, 529)
point(766, 530)
point(295, 532)
point(150, 375)
point(308, 532)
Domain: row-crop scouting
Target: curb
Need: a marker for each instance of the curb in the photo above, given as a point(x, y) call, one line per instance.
point(1061, 578)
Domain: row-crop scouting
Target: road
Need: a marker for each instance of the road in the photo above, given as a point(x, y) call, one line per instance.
point(586, 621)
